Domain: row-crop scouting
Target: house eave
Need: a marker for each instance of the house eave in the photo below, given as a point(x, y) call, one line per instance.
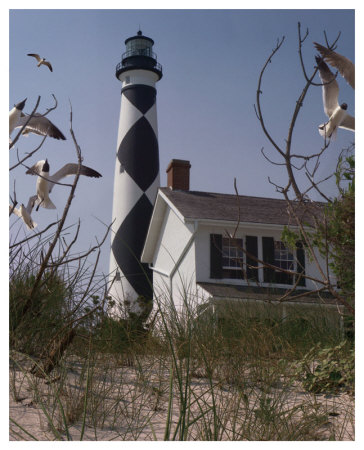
point(264, 294)
point(241, 224)
point(153, 230)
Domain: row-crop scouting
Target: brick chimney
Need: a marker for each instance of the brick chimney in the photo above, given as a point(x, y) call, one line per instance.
point(178, 175)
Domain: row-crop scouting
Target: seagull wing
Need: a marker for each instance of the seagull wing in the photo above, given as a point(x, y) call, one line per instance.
point(27, 219)
point(330, 88)
point(14, 115)
point(340, 62)
point(39, 124)
point(35, 55)
point(31, 203)
point(348, 123)
point(16, 211)
point(46, 63)
point(71, 169)
point(36, 169)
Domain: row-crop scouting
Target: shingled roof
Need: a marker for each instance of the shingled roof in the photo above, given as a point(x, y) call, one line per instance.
point(230, 207)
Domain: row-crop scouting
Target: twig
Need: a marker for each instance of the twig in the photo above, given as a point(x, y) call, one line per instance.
point(33, 235)
point(28, 155)
point(257, 107)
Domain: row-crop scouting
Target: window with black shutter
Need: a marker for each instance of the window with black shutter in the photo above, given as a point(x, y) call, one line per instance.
point(228, 259)
point(300, 254)
point(215, 256)
point(284, 259)
point(277, 254)
point(251, 245)
point(268, 257)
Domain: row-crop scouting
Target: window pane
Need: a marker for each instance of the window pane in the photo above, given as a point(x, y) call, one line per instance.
point(225, 262)
point(285, 260)
point(232, 256)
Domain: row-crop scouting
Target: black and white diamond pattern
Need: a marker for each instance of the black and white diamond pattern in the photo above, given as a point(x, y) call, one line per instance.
point(138, 153)
point(135, 187)
point(128, 244)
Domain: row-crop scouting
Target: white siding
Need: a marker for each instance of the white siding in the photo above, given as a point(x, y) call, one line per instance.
point(173, 238)
point(174, 261)
point(184, 280)
point(182, 258)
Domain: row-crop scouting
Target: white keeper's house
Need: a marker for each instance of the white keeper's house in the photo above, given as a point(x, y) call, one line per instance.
point(191, 252)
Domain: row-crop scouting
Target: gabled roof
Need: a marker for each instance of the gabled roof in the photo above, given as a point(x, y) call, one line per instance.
point(209, 206)
point(230, 207)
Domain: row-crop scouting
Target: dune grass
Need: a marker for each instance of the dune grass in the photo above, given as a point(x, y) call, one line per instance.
point(193, 376)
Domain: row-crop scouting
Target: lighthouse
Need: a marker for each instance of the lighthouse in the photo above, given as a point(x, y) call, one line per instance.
point(136, 178)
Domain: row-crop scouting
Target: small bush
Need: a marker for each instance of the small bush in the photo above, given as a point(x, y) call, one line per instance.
point(328, 369)
point(118, 335)
point(35, 318)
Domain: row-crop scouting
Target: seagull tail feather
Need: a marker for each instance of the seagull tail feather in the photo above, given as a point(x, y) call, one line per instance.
point(46, 203)
point(325, 132)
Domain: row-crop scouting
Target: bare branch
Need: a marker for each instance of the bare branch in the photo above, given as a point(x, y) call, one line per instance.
point(34, 235)
point(259, 93)
point(237, 198)
point(29, 155)
point(333, 45)
point(60, 223)
point(61, 261)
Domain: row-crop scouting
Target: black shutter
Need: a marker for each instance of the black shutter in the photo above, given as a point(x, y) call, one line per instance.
point(300, 254)
point(268, 257)
point(251, 246)
point(215, 256)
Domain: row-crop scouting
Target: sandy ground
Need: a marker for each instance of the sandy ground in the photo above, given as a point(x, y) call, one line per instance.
point(125, 404)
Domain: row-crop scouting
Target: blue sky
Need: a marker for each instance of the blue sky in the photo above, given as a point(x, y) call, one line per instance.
point(211, 63)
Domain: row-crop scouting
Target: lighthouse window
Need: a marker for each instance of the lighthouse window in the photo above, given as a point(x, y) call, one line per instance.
point(140, 46)
point(127, 80)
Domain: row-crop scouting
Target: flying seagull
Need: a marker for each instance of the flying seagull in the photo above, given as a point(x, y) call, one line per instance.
point(41, 61)
point(14, 115)
point(340, 62)
point(39, 124)
point(25, 212)
point(338, 117)
point(45, 181)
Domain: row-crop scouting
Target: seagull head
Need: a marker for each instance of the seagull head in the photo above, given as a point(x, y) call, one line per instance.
point(45, 167)
point(344, 106)
point(318, 59)
point(20, 105)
